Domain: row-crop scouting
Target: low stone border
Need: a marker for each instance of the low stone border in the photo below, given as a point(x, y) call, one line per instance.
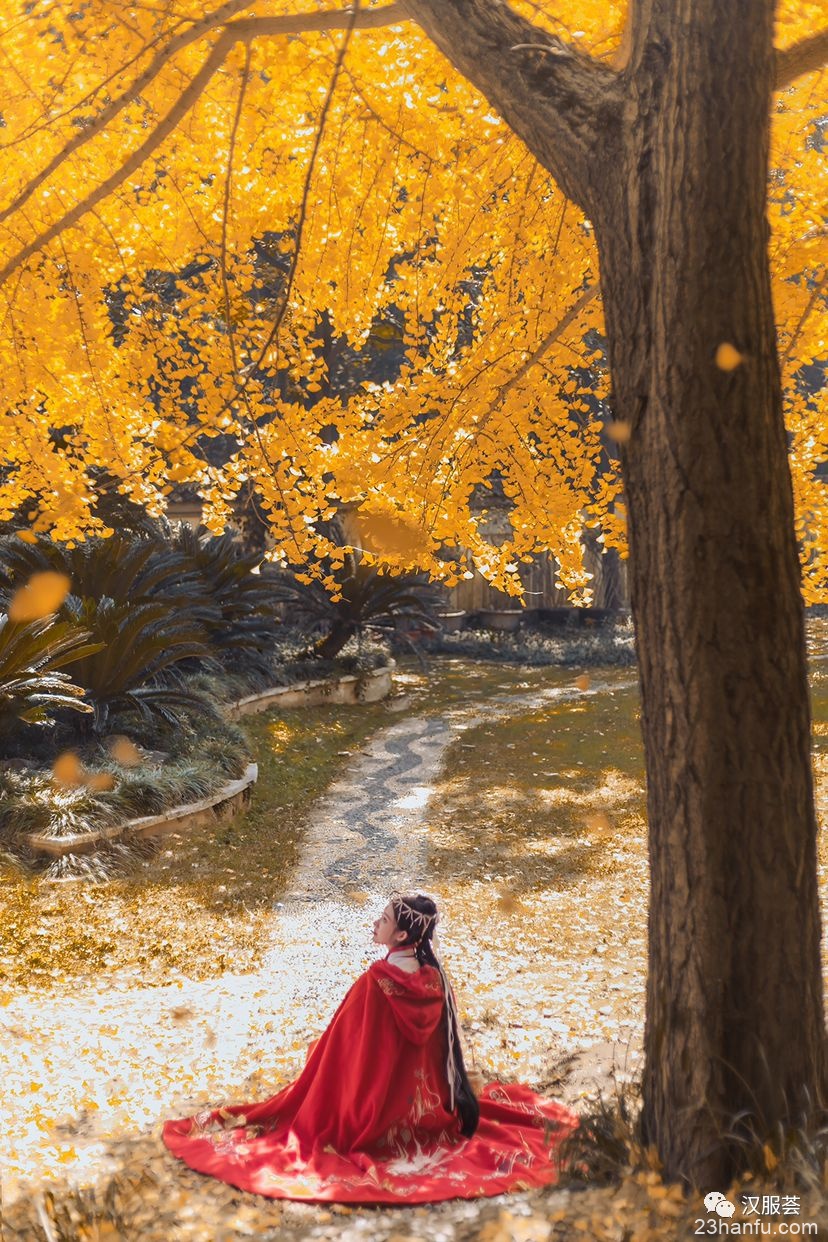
point(232, 797)
point(223, 804)
point(364, 688)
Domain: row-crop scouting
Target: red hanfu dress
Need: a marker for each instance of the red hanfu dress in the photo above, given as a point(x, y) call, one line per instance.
point(368, 1120)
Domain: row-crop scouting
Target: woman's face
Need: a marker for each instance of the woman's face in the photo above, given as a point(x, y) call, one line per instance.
point(385, 929)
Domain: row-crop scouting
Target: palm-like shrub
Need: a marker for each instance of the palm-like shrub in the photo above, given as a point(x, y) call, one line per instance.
point(241, 618)
point(137, 667)
point(207, 579)
point(369, 596)
point(124, 568)
point(32, 688)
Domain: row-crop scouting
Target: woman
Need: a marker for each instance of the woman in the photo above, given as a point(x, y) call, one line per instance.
point(383, 1111)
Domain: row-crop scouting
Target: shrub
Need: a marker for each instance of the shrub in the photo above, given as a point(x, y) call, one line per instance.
point(368, 596)
point(134, 669)
point(240, 619)
point(126, 569)
point(31, 653)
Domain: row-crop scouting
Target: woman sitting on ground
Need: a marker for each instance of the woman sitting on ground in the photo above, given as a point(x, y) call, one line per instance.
point(383, 1110)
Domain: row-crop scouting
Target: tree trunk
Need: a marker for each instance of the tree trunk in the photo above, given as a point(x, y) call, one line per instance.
point(329, 647)
point(669, 160)
point(734, 997)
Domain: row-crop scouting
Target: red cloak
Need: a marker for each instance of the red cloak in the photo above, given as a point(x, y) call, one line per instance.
point(368, 1120)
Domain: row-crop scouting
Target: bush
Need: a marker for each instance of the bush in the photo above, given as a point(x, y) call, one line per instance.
point(368, 596)
point(32, 689)
point(240, 622)
point(134, 669)
point(609, 645)
point(198, 761)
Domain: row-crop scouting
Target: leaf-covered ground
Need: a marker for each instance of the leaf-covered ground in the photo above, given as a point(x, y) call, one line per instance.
point(536, 846)
point(200, 904)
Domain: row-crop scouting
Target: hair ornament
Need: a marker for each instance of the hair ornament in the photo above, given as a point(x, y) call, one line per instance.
point(418, 920)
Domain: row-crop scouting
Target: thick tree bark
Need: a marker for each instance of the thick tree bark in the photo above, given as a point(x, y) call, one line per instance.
point(734, 1000)
point(670, 162)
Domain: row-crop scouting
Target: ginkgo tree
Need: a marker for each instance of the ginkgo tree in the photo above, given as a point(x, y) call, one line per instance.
point(188, 196)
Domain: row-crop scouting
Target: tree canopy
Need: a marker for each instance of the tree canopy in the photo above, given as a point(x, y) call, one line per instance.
point(191, 204)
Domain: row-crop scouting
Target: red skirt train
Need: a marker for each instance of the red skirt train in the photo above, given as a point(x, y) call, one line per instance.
point(367, 1121)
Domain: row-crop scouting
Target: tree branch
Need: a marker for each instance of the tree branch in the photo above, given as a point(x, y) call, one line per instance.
point(584, 298)
point(803, 57)
point(247, 28)
point(164, 127)
point(231, 32)
point(564, 105)
point(194, 32)
point(622, 54)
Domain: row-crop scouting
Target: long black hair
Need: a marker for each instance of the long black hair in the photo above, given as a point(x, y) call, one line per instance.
point(417, 917)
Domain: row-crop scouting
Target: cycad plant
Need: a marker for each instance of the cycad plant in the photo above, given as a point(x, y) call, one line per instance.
point(207, 579)
point(241, 619)
point(126, 569)
point(136, 668)
point(368, 596)
point(32, 688)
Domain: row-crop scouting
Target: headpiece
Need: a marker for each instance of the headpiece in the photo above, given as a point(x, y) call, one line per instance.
point(418, 919)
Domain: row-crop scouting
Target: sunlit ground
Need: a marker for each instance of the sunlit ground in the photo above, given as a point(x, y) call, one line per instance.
point(202, 903)
point(538, 853)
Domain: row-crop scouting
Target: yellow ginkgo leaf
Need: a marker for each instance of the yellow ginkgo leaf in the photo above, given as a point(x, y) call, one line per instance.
point(619, 431)
point(100, 781)
point(599, 822)
point(390, 534)
point(728, 357)
point(125, 752)
point(181, 1013)
point(43, 594)
point(68, 769)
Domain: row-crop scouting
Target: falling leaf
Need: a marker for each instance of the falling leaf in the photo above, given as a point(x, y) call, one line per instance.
point(728, 357)
point(181, 1013)
point(100, 781)
point(599, 821)
point(507, 902)
point(125, 752)
point(582, 682)
point(357, 896)
point(390, 534)
point(68, 769)
point(43, 594)
point(619, 431)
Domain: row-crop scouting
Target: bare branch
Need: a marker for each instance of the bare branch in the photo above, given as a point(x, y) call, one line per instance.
point(803, 57)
